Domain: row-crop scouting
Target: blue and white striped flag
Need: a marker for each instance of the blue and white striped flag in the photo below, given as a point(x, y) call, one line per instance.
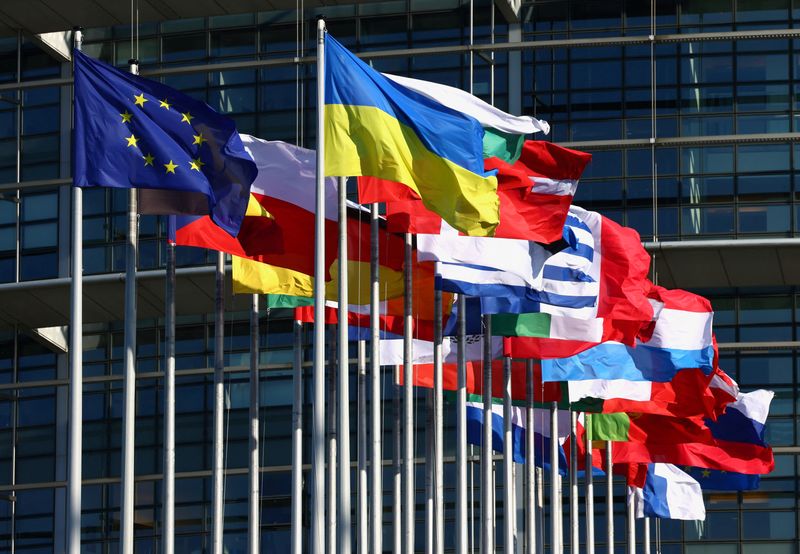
point(517, 275)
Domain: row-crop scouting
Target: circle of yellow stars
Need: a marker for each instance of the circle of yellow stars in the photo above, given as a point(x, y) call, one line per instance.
point(149, 159)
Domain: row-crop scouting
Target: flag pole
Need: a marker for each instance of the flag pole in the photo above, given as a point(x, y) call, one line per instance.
point(555, 494)
point(610, 496)
point(169, 405)
point(408, 407)
point(397, 475)
point(219, 408)
point(254, 521)
point(487, 473)
point(438, 428)
point(646, 538)
point(430, 433)
point(376, 510)
point(573, 485)
point(540, 508)
point(343, 405)
point(589, 488)
point(631, 521)
point(362, 523)
point(129, 383)
point(332, 511)
point(318, 406)
point(76, 363)
point(508, 461)
point(530, 464)
point(297, 441)
point(461, 432)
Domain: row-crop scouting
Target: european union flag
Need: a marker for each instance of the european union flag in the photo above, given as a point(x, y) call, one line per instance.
point(132, 132)
point(716, 480)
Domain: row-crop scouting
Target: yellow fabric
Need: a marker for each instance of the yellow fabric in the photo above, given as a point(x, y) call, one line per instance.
point(255, 209)
point(252, 277)
point(366, 141)
point(358, 285)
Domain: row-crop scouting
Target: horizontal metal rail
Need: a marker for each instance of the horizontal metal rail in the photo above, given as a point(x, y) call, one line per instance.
point(584, 42)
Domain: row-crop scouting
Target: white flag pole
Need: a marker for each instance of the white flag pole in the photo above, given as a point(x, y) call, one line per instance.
point(168, 538)
point(530, 464)
point(438, 427)
point(487, 464)
point(461, 433)
point(376, 430)
point(343, 412)
point(362, 522)
point(254, 519)
point(408, 405)
point(631, 521)
point(610, 496)
point(129, 382)
point(555, 493)
point(509, 502)
point(573, 485)
point(589, 488)
point(75, 363)
point(318, 406)
point(297, 440)
point(218, 493)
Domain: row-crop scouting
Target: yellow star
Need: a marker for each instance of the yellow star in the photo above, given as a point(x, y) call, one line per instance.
point(148, 160)
point(196, 164)
point(126, 117)
point(164, 104)
point(170, 167)
point(140, 100)
point(132, 140)
point(187, 117)
point(198, 139)
point(706, 473)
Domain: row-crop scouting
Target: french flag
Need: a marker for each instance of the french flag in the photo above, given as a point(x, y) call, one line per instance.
point(679, 337)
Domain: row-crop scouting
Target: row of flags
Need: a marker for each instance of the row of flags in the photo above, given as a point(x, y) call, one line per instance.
point(493, 221)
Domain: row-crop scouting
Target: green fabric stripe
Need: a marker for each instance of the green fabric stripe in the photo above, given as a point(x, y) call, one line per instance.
point(506, 146)
point(521, 325)
point(287, 301)
point(591, 405)
point(609, 427)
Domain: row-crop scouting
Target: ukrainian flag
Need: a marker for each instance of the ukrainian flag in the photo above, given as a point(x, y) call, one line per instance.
point(378, 128)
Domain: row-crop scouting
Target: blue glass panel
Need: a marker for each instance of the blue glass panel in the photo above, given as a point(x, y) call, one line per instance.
point(764, 219)
point(762, 67)
point(700, 221)
point(762, 157)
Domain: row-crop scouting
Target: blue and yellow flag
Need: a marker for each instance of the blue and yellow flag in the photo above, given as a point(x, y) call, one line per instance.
point(132, 132)
point(378, 128)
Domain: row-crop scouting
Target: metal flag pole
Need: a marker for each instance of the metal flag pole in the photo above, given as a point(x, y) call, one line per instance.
point(646, 537)
point(631, 523)
point(75, 363)
point(297, 441)
point(610, 496)
point(540, 508)
point(332, 511)
point(589, 488)
point(169, 405)
point(574, 516)
point(430, 431)
point(508, 462)
point(461, 432)
point(397, 470)
point(376, 467)
point(487, 473)
point(438, 427)
point(254, 520)
point(129, 383)
point(219, 409)
point(555, 493)
point(318, 406)
point(530, 464)
point(343, 416)
point(363, 525)
point(408, 404)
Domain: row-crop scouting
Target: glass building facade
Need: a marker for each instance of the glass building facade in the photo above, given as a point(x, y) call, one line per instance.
point(693, 137)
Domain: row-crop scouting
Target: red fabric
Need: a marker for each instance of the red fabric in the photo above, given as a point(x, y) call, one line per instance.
point(524, 214)
point(551, 392)
point(635, 474)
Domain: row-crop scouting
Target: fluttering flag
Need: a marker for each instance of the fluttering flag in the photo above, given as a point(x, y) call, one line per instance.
point(669, 493)
point(716, 480)
point(679, 338)
point(737, 442)
point(691, 393)
point(377, 127)
point(504, 133)
point(535, 194)
point(131, 132)
point(541, 432)
point(521, 273)
point(285, 188)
